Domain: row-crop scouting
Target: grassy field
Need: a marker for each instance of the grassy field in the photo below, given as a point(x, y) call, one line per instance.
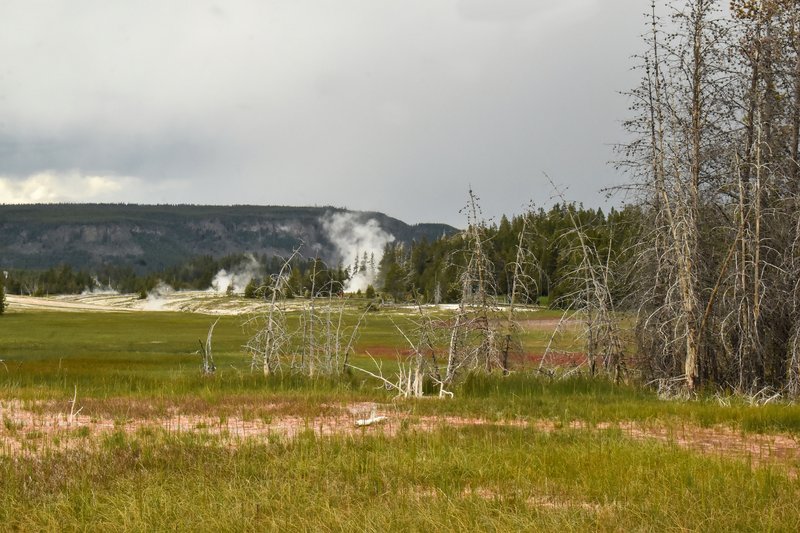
point(150, 444)
point(137, 353)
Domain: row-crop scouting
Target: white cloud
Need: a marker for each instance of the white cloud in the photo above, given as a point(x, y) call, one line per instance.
point(51, 187)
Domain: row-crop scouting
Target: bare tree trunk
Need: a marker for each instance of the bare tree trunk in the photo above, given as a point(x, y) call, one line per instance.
point(688, 251)
point(795, 133)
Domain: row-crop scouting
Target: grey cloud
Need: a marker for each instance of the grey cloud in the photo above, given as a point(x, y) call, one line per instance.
point(505, 10)
point(110, 153)
point(392, 106)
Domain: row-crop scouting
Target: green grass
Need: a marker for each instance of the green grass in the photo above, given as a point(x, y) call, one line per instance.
point(144, 362)
point(140, 354)
point(45, 353)
point(500, 478)
point(484, 478)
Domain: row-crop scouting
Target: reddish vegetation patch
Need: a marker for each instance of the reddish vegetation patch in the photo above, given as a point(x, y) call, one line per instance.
point(548, 324)
point(556, 358)
point(382, 351)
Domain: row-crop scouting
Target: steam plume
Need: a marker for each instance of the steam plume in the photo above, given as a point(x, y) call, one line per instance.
point(157, 298)
point(238, 277)
point(353, 240)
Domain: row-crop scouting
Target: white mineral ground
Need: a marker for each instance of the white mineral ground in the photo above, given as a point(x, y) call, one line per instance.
point(202, 302)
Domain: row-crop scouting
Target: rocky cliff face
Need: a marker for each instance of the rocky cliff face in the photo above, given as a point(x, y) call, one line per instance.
point(153, 237)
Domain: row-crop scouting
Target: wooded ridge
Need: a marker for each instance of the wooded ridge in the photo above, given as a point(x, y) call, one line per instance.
point(153, 237)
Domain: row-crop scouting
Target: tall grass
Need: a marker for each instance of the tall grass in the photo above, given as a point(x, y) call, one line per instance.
point(473, 478)
point(482, 478)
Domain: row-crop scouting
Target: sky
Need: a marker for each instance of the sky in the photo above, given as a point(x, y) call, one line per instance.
point(397, 106)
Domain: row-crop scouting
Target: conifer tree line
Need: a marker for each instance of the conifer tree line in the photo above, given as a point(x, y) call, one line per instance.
point(714, 168)
point(429, 272)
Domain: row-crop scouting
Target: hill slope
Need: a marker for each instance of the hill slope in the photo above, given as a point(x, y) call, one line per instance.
point(152, 237)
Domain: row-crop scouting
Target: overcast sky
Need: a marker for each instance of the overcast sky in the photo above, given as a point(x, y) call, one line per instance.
point(387, 105)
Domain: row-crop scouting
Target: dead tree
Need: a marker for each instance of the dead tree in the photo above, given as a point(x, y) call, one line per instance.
point(715, 162)
point(671, 158)
point(271, 343)
point(207, 366)
point(591, 299)
point(480, 336)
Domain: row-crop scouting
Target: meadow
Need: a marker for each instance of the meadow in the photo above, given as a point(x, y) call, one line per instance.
point(108, 424)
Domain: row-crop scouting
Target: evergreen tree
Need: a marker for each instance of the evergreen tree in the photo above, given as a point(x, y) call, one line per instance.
point(250, 291)
point(430, 270)
point(295, 284)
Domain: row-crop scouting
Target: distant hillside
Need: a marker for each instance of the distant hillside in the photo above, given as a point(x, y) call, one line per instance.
point(152, 237)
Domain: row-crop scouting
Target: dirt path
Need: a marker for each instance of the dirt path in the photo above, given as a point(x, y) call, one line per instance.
point(32, 429)
point(761, 450)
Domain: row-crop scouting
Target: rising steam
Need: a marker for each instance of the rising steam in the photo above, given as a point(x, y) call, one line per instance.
point(99, 288)
point(353, 239)
point(158, 298)
point(238, 277)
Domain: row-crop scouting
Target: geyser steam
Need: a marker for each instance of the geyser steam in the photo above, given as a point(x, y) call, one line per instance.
point(238, 277)
point(356, 241)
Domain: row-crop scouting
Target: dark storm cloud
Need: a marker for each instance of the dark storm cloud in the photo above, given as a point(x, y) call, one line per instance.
point(394, 106)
